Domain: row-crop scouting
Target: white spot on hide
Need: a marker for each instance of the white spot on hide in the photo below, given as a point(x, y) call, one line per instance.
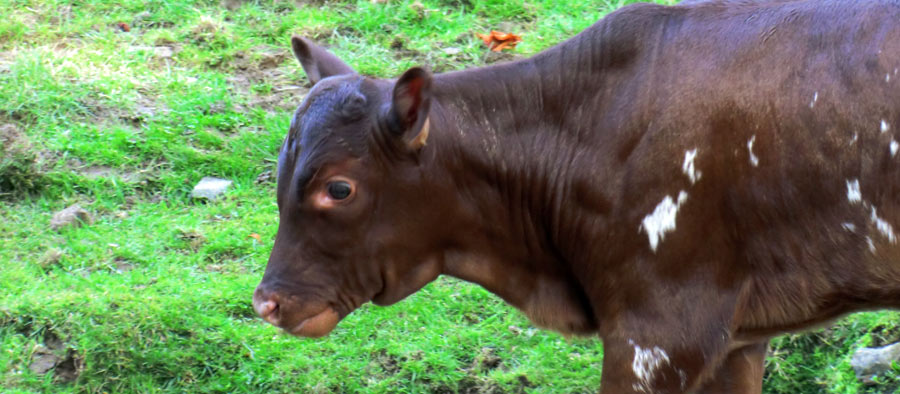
point(645, 365)
point(887, 77)
point(871, 244)
point(894, 147)
point(662, 220)
point(849, 226)
point(883, 227)
point(855, 137)
point(814, 99)
point(754, 161)
point(688, 166)
point(885, 126)
point(853, 192)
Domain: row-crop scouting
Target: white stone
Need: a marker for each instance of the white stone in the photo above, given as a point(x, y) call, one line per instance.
point(868, 362)
point(210, 188)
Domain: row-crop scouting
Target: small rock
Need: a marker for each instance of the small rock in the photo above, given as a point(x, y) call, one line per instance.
point(163, 52)
point(43, 360)
point(50, 258)
point(72, 216)
point(868, 362)
point(210, 188)
point(452, 51)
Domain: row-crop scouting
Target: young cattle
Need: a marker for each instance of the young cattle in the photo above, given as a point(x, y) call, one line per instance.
point(684, 182)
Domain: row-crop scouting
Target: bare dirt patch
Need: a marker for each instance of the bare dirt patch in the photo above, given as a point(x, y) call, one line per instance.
point(259, 75)
point(56, 356)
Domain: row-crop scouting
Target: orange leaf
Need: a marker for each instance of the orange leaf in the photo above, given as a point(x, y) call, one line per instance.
point(123, 26)
point(498, 41)
point(256, 237)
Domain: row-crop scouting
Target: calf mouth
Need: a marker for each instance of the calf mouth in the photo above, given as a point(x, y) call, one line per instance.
point(303, 319)
point(316, 326)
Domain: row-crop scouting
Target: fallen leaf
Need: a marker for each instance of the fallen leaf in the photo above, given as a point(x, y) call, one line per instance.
point(498, 41)
point(256, 237)
point(123, 26)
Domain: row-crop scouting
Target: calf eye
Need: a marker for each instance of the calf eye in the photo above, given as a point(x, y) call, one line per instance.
point(339, 190)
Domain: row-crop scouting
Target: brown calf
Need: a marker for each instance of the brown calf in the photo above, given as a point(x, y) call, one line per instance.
point(684, 182)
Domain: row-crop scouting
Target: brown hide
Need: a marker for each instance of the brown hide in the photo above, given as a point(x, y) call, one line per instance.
point(684, 182)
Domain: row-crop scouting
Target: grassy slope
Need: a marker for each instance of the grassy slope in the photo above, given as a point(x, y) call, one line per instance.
point(154, 296)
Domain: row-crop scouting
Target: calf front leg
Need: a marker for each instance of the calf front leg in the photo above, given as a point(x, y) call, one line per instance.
point(644, 365)
point(741, 372)
point(670, 344)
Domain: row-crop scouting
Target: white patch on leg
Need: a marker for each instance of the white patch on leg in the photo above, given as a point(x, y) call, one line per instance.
point(883, 226)
point(645, 365)
point(853, 192)
point(688, 166)
point(662, 220)
point(885, 126)
point(894, 147)
point(754, 161)
point(815, 98)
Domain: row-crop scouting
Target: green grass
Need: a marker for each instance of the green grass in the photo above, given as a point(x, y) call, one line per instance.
point(154, 295)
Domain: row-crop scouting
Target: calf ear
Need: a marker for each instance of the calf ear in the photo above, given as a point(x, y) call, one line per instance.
point(408, 116)
point(317, 61)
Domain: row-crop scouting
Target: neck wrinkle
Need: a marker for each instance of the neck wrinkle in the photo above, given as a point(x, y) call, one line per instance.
point(509, 177)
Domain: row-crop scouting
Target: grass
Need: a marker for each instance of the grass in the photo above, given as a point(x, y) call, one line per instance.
point(154, 295)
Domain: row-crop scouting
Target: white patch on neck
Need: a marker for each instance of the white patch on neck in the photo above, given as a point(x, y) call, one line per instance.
point(688, 166)
point(754, 161)
point(894, 147)
point(853, 192)
point(646, 363)
point(883, 227)
point(662, 220)
point(815, 98)
point(885, 126)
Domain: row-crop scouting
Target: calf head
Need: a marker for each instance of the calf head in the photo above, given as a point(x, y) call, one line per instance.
point(359, 219)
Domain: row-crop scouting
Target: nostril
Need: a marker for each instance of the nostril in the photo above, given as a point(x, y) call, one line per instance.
point(267, 308)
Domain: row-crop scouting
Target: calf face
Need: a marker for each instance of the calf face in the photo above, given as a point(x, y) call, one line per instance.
point(359, 220)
